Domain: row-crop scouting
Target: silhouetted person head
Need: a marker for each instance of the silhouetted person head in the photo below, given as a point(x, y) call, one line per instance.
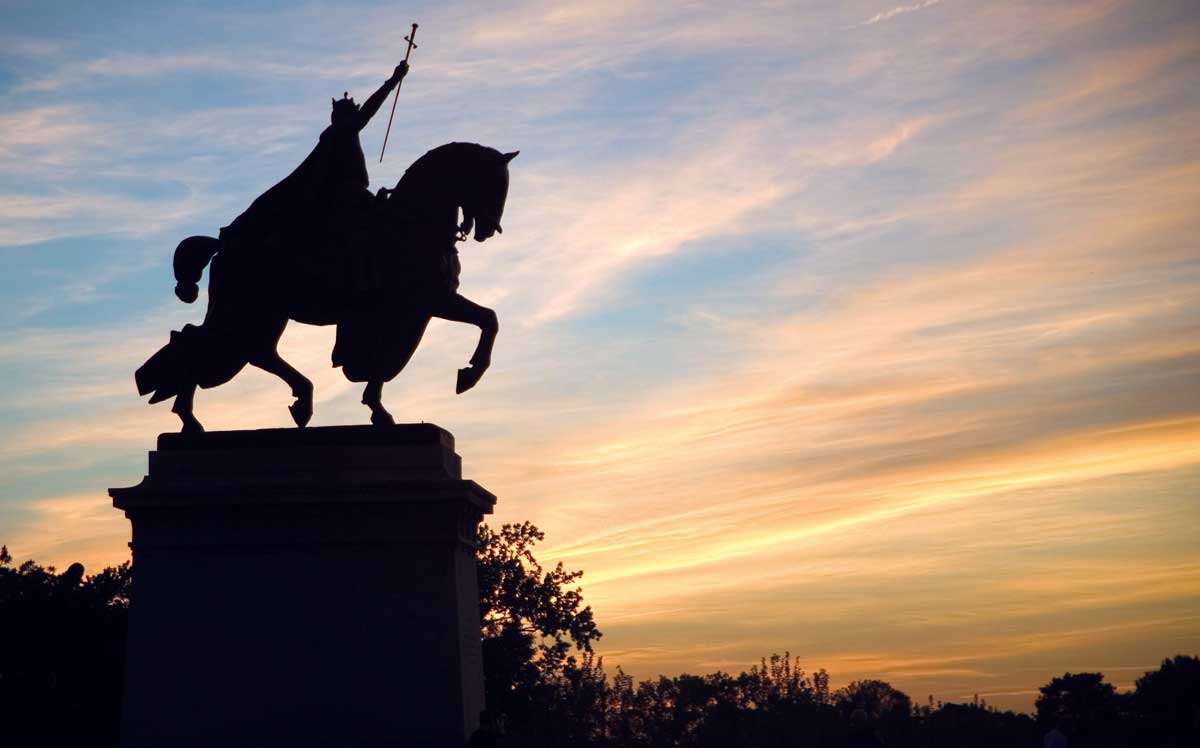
point(345, 111)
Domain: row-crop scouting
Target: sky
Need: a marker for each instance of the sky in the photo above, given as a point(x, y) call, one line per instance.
point(860, 330)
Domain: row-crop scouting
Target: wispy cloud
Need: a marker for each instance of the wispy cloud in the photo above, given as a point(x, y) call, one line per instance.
point(885, 15)
point(899, 10)
point(791, 318)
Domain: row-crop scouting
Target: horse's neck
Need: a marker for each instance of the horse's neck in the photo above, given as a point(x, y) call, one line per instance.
point(433, 199)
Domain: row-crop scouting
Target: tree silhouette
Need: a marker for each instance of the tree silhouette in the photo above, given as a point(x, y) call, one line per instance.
point(531, 618)
point(888, 708)
point(1168, 702)
point(975, 725)
point(62, 653)
point(516, 591)
point(1082, 705)
point(875, 697)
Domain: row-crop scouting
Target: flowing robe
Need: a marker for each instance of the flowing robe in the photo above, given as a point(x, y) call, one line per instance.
point(311, 206)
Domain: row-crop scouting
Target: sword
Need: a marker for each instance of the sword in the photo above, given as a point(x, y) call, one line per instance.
point(411, 46)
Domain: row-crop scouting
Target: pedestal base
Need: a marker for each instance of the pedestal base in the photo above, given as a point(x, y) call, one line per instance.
point(304, 588)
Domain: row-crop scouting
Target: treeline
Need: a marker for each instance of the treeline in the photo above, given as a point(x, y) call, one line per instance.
point(776, 704)
point(62, 644)
point(542, 673)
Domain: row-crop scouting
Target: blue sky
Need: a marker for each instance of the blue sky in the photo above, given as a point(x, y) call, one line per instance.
point(860, 329)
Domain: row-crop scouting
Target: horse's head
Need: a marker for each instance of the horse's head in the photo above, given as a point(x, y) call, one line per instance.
point(484, 197)
point(466, 176)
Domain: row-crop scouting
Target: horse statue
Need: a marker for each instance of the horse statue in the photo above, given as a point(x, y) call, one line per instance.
point(379, 279)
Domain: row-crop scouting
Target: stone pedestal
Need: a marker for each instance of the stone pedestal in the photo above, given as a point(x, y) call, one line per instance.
point(309, 587)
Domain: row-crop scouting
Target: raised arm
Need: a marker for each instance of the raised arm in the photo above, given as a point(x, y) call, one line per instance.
point(371, 105)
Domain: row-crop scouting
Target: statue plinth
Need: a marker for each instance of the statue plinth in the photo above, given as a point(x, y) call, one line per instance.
point(311, 587)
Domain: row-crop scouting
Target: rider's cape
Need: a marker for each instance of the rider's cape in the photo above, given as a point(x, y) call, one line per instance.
point(311, 201)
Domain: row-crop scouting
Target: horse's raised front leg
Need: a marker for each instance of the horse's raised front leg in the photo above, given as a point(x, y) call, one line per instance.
point(302, 388)
point(458, 308)
point(373, 399)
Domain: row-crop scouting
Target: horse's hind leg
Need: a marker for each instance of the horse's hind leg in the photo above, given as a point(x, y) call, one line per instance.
point(406, 334)
point(373, 399)
point(183, 408)
point(302, 388)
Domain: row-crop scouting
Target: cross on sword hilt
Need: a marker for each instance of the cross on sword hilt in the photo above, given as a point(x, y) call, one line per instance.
point(411, 46)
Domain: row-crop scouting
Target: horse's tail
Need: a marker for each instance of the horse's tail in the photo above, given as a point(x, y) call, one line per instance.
point(191, 257)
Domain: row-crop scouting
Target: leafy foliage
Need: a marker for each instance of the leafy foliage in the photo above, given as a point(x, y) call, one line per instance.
point(516, 592)
point(62, 653)
point(531, 620)
point(1082, 706)
point(1167, 702)
point(886, 707)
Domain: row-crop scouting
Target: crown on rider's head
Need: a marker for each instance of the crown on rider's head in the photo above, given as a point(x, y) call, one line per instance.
point(343, 106)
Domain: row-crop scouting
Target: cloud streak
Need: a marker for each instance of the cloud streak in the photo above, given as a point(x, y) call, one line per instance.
point(878, 347)
point(886, 15)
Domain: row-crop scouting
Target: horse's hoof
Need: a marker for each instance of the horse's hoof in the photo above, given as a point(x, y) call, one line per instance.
point(467, 378)
point(301, 411)
point(191, 426)
point(382, 418)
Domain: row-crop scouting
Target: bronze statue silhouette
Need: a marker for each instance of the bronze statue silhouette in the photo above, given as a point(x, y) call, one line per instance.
point(319, 248)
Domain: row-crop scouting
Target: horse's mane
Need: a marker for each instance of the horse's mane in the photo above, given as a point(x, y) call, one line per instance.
point(445, 161)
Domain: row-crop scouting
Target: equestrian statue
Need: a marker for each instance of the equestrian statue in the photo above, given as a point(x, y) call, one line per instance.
point(320, 248)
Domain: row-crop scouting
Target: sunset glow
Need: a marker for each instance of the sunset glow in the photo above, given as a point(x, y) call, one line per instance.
point(868, 331)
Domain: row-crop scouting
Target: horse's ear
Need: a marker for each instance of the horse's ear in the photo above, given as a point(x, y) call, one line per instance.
point(510, 156)
point(332, 101)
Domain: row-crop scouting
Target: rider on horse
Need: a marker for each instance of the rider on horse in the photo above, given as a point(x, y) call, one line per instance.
point(328, 194)
point(319, 248)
